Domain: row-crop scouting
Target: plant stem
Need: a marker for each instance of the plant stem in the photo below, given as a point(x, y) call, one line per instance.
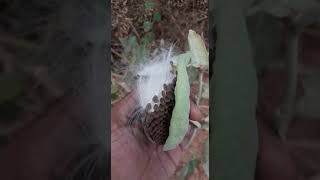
point(200, 86)
point(289, 105)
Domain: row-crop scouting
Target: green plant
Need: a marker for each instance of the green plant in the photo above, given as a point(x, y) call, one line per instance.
point(235, 94)
point(197, 56)
point(188, 169)
point(285, 21)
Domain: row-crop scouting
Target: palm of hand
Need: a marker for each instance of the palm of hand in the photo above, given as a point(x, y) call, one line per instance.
point(132, 157)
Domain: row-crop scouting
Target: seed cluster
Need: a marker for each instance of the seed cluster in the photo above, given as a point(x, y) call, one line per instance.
point(157, 118)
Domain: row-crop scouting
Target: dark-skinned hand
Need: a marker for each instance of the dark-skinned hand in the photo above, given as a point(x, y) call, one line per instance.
point(132, 157)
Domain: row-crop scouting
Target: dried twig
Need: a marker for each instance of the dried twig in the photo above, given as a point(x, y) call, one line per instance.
point(118, 54)
point(200, 86)
point(178, 27)
point(135, 30)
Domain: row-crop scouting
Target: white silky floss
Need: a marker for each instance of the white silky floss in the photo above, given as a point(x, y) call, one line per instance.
point(153, 76)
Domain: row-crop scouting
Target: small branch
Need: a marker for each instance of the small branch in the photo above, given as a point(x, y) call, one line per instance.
point(200, 86)
point(135, 30)
point(289, 105)
point(201, 19)
point(118, 54)
point(177, 26)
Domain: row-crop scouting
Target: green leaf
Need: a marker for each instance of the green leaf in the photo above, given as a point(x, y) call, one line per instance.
point(147, 38)
point(188, 169)
point(186, 55)
point(132, 42)
point(234, 90)
point(180, 116)
point(149, 5)
point(129, 43)
point(191, 166)
point(193, 73)
point(11, 86)
point(140, 54)
point(157, 17)
point(147, 26)
point(200, 55)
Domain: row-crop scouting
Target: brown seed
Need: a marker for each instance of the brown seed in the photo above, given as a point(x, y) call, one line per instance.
point(158, 122)
point(162, 101)
point(148, 107)
point(171, 87)
point(156, 115)
point(156, 107)
point(165, 87)
point(155, 99)
point(161, 108)
point(174, 79)
point(163, 93)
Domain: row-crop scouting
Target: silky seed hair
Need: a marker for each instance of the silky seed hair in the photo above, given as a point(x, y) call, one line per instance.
point(152, 77)
point(155, 87)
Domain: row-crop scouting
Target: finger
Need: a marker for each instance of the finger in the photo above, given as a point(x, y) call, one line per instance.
point(127, 104)
point(195, 113)
point(188, 138)
point(122, 109)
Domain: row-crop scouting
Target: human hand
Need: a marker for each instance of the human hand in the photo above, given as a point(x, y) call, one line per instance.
point(134, 158)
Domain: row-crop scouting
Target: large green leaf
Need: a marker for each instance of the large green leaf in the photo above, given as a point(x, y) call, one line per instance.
point(200, 55)
point(180, 116)
point(234, 135)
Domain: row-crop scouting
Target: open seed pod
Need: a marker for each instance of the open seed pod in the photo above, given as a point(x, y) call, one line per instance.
point(157, 117)
point(156, 83)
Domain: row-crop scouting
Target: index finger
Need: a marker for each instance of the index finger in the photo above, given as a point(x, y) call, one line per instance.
point(195, 113)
